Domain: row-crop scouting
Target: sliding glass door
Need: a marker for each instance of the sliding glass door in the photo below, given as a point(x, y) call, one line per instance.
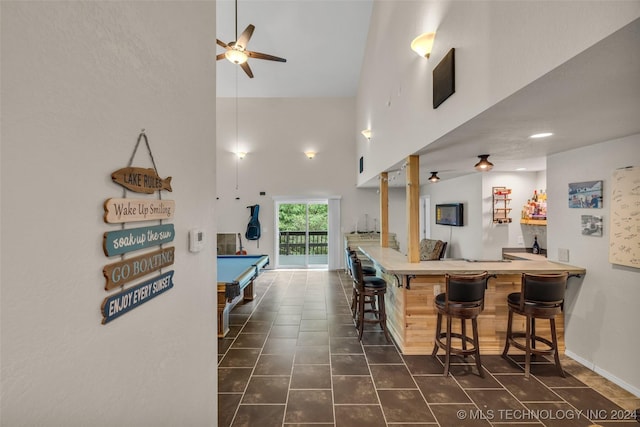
point(302, 230)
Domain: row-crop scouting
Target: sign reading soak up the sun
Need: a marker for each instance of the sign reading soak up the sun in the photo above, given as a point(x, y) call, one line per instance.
point(131, 239)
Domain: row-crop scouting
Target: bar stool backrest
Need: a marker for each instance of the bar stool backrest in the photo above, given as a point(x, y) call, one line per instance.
point(545, 289)
point(356, 271)
point(465, 289)
point(348, 253)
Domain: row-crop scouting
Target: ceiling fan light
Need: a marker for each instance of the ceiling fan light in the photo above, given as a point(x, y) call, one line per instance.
point(434, 177)
point(236, 56)
point(484, 165)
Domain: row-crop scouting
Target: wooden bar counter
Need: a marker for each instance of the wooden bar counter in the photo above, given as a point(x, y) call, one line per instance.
point(411, 317)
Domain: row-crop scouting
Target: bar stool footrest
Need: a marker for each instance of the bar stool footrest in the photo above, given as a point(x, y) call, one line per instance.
point(538, 339)
point(457, 350)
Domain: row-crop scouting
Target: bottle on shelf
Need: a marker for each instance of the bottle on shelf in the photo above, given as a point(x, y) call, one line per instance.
point(536, 246)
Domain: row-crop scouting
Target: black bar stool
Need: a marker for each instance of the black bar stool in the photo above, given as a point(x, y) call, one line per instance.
point(368, 272)
point(463, 299)
point(369, 288)
point(541, 297)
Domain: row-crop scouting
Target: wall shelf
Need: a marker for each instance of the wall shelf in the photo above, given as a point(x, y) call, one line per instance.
point(501, 209)
point(533, 221)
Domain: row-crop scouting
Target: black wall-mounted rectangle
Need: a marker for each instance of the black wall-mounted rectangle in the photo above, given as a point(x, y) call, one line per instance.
point(444, 79)
point(361, 164)
point(450, 214)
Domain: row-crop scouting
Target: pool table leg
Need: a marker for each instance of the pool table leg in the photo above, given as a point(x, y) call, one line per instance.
point(223, 313)
point(248, 294)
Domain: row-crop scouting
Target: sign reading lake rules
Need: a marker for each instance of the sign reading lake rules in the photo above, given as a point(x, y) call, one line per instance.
point(125, 301)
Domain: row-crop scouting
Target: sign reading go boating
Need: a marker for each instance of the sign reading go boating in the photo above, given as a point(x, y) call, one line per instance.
point(128, 240)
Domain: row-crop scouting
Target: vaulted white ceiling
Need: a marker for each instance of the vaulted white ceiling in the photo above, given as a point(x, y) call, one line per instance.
point(593, 97)
point(323, 42)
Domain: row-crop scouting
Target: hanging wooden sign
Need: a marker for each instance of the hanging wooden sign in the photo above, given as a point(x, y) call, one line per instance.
point(141, 180)
point(125, 210)
point(128, 270)
point(116, 305)
point(131, 239)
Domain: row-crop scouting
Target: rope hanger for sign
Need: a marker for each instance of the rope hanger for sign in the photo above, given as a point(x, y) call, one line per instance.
point(142, 136)
point(153, 162)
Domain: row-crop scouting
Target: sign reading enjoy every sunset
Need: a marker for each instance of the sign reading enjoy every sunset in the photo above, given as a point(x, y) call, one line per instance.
point(125, 301)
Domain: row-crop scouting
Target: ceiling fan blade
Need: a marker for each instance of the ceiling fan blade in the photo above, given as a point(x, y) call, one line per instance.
point(243, 40)
point(221, 43)
point(259, 55)
point(247, 69)
point(220, 56)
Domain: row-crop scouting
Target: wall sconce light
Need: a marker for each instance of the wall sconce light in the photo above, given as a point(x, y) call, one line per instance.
point(310, 154)
point(423, 44)
point(241, 154)
point(484, 165)
point(367, 134)
point(434, 177)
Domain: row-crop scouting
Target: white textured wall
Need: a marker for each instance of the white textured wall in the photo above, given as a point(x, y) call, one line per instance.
point(275, 132)
point(601, 310)
point(79, 81)
point(501, 46)
point(465, 241)
point(498, 236)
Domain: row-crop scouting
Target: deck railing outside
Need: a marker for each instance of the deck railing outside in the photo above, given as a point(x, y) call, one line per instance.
point(295, 243)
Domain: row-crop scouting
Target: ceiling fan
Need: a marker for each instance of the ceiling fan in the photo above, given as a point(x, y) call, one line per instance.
point(236, 51)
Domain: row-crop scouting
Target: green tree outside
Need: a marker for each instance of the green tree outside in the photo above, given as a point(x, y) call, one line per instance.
point(293, 217)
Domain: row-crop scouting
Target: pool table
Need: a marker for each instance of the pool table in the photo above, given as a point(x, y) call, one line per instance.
point(236, 273)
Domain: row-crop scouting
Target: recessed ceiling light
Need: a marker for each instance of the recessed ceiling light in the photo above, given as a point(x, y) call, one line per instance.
point(521, 169)
point(541, 135)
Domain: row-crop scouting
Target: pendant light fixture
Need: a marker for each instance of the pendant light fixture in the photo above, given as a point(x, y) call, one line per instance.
point(434, 177)
point(484, 165)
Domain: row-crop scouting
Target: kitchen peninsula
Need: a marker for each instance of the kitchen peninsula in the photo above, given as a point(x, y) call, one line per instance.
point(411, 317)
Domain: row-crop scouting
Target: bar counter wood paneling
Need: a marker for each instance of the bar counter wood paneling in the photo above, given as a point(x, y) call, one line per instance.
point(411, 317)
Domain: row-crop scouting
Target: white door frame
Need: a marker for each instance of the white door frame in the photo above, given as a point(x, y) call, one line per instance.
point(425, 217)
point(334, 226)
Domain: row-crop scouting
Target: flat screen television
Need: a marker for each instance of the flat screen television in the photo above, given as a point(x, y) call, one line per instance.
point(450, 214)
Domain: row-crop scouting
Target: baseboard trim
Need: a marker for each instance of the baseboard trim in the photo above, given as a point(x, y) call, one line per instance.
point(630, 388)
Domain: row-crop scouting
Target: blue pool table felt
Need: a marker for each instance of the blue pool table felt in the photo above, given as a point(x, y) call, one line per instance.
point(239, 268)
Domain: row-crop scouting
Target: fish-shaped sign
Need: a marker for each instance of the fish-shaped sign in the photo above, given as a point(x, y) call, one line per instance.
point(141, 180)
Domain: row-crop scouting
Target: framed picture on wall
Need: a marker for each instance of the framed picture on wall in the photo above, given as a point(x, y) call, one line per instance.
point(586, 194)
point(591, 225)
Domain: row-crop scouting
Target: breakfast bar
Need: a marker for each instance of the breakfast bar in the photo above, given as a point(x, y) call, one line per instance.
point(412, 287)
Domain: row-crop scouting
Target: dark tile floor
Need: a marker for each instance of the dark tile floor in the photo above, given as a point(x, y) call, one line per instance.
point(292, 358)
